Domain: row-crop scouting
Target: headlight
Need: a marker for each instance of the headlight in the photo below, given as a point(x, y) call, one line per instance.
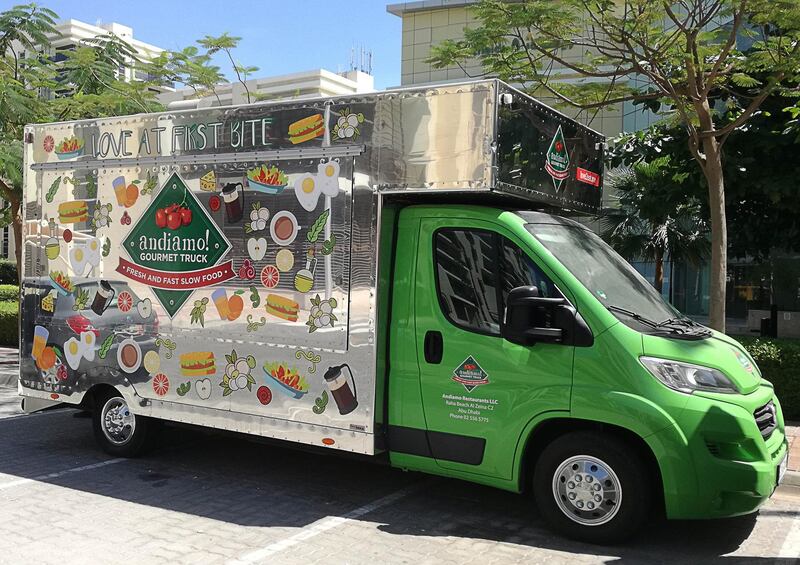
point(688, 378)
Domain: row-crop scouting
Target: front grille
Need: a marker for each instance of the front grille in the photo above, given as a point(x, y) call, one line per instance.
point(713, 448)
point(765, 419)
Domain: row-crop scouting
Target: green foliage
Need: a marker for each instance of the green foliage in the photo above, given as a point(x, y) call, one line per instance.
point(9, 292)
point(779, 362)
point(9, 323)
point(8, 272)
point(761, 171)
point(654, 218)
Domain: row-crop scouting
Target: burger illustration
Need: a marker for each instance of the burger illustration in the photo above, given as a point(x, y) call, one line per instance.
point(282, 307)
point(198, 364)
point(73, 212)
point(306, 129)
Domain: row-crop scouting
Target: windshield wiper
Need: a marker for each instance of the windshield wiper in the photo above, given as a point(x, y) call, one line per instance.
point(634, 315)
point(679, 320)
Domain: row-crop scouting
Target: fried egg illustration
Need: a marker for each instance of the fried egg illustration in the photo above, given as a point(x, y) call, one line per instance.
point(78, 258)
point(93, 250)
point(328, 178)
point(73, 350)
point(89, 345)
point(306, 189)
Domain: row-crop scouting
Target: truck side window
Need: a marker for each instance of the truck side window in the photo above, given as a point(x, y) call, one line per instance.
point(466, 278)
point(519, 270)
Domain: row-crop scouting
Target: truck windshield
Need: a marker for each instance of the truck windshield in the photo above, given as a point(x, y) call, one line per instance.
point(611, 279)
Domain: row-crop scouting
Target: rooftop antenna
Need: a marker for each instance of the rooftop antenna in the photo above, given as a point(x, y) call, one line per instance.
point(361, 59)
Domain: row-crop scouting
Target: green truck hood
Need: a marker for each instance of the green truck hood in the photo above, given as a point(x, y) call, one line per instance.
point(719, 351)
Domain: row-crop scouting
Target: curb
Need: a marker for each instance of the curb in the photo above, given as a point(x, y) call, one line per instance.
point(791, 478)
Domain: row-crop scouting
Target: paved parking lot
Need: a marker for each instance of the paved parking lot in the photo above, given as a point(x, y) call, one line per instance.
point(205, 497)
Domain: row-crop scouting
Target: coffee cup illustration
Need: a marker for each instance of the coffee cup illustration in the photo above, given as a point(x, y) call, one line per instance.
point(102, 298)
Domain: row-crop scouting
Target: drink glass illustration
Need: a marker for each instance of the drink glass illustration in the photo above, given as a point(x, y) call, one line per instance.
point(120, 190)
point(345, 397)
point(220, 298)
point(234, 210)
point(102, 298)
point(40, 335)
point(304, 279)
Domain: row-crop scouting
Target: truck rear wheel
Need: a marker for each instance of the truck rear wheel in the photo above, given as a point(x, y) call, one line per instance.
point(592, 487)
point(117, 430)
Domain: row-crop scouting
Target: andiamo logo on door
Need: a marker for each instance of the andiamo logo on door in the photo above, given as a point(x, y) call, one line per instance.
point(470, 374)
point(175, 247)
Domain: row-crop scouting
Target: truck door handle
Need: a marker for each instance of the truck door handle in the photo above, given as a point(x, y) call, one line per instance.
point(433, 347)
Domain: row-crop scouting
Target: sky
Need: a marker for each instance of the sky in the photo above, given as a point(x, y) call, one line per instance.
point(277, 36)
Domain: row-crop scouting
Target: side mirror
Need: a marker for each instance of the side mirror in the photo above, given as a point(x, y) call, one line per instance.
point(531, 319)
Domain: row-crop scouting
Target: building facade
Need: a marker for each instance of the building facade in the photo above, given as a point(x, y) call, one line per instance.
point(307, 84)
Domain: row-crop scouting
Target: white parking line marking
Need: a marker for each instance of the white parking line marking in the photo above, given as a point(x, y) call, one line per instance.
point(791, 546)
point(12, 484)
point(325, 524)
point(42, 413)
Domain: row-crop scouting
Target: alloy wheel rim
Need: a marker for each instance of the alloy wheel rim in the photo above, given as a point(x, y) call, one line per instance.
point(587, 490)
point(117, 421)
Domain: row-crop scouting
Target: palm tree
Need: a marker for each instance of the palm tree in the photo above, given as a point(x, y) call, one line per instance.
point(655, 218)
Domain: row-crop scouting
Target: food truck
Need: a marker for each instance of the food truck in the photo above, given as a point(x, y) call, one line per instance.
point(390, 274)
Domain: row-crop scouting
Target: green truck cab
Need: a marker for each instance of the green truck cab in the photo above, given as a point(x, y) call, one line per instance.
point(525, 354)
point(359, 274)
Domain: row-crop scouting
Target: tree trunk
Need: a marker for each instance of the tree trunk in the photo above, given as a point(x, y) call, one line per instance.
point(16, 225)
point(719, 233)
point(658, 283)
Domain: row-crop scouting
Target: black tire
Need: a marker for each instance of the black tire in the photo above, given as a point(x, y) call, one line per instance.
point(620, 506)
point(134, 434)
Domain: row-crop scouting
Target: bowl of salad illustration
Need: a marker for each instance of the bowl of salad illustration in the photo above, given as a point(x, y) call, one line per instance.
point(69, 148)
point(270, 180)
point(288, 380)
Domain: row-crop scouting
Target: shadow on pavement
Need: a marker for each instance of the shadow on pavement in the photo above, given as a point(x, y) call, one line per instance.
point(224, 477)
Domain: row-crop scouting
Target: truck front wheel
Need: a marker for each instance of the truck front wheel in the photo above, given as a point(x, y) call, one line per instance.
point(117, 430)
point(592, 487)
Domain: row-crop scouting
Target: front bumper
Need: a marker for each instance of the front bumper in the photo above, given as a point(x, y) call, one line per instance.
point(734, 468)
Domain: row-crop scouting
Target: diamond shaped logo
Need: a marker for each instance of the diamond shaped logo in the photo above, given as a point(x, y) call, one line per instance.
point(557, 160)
point(470, 374)
point(175, 247)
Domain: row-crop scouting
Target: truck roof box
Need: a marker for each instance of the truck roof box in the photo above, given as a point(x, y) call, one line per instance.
point(464, 138)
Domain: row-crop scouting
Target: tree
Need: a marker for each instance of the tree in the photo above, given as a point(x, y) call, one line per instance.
point(654, 219)
point(761, 171)
point(227, 43)
point(21, 28)
point(663, 53)
point(86, 84)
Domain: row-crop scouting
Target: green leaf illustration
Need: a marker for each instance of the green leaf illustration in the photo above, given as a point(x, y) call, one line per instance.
point(106, 345)
point(51, 193)
point(318, 226)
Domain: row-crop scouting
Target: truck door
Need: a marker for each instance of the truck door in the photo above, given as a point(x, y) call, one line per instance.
point(478, 390)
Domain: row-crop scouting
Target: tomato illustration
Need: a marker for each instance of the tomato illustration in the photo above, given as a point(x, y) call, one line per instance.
point(264, 395)
point(161, 384)
point(270, 276)
point(161, 218)
point(48, 143)
point(214, 203)
point(186, 216)
point(125, 301)
point(559, 146)
point(174, 220)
